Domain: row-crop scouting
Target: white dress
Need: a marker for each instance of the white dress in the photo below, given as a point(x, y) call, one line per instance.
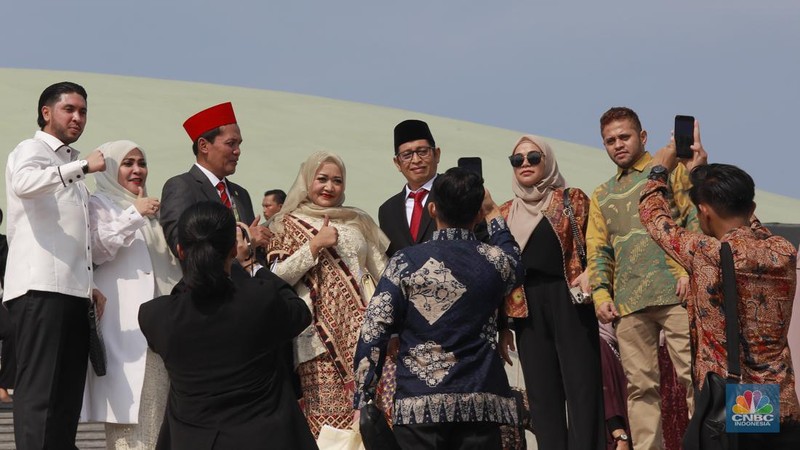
point(131, 397)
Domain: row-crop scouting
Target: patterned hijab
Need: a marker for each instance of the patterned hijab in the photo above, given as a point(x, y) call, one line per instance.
point(165, 267)
point(297, 201)
point(529, 202)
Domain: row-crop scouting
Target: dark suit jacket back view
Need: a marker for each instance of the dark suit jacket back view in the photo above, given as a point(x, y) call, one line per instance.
point(392, 220)
point(223, 356)
point(186, 189)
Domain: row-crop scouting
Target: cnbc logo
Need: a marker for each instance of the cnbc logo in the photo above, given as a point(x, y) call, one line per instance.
point(752, 408)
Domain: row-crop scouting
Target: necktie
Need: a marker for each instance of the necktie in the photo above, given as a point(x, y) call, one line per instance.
point(416, 214)
point(223, 195)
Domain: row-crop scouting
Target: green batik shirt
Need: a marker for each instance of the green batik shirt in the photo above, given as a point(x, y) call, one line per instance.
point(625, 265)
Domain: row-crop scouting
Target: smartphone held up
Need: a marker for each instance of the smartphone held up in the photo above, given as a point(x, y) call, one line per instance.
point(472, 164)
point(684, 136)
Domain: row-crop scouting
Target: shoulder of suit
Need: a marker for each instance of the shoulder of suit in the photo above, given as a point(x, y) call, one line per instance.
point(399, 197)
point(237, 187)
point(155, 306)
point(183, 177)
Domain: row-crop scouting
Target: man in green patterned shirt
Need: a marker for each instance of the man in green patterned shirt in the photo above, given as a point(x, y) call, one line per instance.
point(634, 283)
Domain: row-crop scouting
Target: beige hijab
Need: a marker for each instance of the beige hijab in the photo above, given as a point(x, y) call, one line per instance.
point(166, 269)
point(297, 201)
point(529, 202)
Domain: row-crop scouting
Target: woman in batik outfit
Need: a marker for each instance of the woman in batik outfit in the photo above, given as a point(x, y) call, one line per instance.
point(327, 251)
point(558, 341)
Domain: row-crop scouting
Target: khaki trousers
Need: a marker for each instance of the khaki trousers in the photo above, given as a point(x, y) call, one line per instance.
point(638, 335)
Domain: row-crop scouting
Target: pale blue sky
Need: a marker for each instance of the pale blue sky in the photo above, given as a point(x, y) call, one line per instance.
point(550, 69)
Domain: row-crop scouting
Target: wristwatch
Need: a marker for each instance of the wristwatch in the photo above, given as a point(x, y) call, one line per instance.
point(85, 166)
point(658, 172)
point(623, 436)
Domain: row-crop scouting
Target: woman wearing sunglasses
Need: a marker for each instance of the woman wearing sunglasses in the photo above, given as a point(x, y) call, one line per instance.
point(557, 338)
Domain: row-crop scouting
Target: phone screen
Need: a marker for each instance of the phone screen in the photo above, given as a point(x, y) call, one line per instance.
point(471, 163)
point(684, 136)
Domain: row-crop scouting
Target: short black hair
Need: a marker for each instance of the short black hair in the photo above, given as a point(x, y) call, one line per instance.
point(727, 189)
point(620, 113)
point(209, 135)
point(458, 197)
point(280, 196)
point(53, 93)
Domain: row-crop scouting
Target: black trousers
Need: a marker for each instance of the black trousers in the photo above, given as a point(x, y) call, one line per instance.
point(559, 351)
point(8, 358)
point(52, 334)
point(449, 436)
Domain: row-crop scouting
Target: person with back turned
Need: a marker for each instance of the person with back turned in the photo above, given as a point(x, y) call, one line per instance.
point(442, 298)
point(765, 273)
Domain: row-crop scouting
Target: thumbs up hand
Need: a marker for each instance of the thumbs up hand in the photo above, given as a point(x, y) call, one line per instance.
point(147, 206)
point(328, 236)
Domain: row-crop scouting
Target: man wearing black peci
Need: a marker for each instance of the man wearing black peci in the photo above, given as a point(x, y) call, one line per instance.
point(404, 217)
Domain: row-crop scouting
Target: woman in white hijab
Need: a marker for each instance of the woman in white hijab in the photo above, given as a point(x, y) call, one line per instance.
point(557, 339)
point(327, 252)
point(133, 265)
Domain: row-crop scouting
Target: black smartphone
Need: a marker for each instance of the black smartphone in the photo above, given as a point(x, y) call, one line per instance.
point(684, 136)
point(471, 163)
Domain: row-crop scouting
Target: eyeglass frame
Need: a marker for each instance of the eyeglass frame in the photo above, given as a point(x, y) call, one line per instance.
point(429, 151)
point(527, 156)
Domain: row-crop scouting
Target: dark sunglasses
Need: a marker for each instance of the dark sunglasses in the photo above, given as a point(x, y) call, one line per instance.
point(533, 157)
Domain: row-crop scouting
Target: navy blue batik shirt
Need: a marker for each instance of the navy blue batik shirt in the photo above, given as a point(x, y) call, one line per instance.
point(442, 297)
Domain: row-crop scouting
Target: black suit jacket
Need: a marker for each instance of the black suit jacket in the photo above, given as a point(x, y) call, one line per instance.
point(392, 220)
point(186, 189)
point(225, 363)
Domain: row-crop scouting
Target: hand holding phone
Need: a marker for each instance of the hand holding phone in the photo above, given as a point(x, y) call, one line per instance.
point(684, 136)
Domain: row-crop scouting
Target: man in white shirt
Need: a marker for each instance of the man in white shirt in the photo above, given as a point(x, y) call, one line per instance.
point(48, 284)
point(216, 141)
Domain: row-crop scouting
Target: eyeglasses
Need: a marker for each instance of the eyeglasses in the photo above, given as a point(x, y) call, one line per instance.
point(533, 158)
point(408, 155)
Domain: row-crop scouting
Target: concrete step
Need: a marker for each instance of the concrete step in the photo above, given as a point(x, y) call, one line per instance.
point(90, 435)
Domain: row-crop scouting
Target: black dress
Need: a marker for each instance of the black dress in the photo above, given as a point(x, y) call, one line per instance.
point(229, 383)
point(558, 347)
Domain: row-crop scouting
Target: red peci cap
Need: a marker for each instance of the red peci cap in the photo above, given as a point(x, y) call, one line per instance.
point(208, 119)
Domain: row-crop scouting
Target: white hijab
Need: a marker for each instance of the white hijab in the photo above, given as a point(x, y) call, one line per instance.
point(166, 269)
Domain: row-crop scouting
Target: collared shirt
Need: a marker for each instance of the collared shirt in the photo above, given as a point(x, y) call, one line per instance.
point(625, 265)
point(442, 298)
point(766, 277)
point(48, 220)
point(214, 180)
point(410, 201)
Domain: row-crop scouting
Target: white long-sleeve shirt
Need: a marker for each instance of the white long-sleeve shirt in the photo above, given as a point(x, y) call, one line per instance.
point(48, 220)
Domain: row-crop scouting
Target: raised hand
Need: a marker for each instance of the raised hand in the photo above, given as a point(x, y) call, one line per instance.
point(147, 206)
point(700, 156)
point(327, 237)
point(242, 247)
point(489, 209)
point(259, 234)
point(97, 162)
